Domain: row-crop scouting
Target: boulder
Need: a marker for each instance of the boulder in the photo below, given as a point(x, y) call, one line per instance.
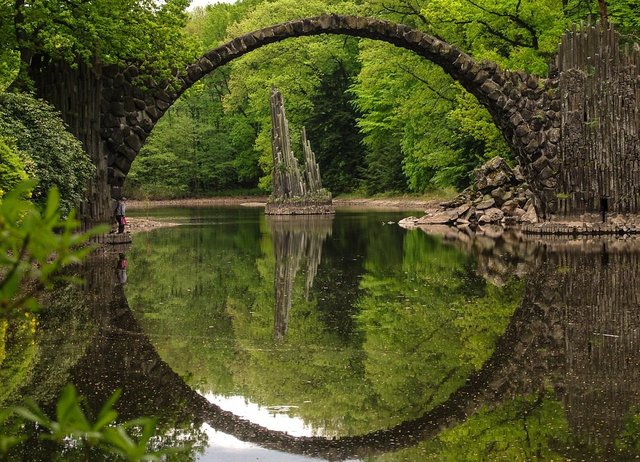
point(509, 206)
point(409, 222)
point(518, 213)
point(486, 203)
point(463, 209)
point(492, 215)
point(439, 218)
point(530, 216)
point(493, 174)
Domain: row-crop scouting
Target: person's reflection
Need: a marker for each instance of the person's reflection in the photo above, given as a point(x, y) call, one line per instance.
point(121, 269)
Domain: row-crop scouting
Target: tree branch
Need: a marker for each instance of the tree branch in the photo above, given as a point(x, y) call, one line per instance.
point(513, 18)
point(428, 85)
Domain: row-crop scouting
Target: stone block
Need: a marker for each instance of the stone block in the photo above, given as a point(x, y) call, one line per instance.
point(119, 80)
point(152, 112)
point(486, 204)
point(127, 152)
point(532, 146)
point(115, 176)
point(140, 133)
point(540, 164)
point(516, 119)
point(122, 164)
point(413, 36)
point(554, 135)
point(162, 105)
point(145, 121)
point(522, 130)
point(116, 137)
point(117, 109)
point(481, 77)
point(162, 95)
point(205, 64)
point(129, 105)
point(111, 121)
point(194, 72)
point(489, 87)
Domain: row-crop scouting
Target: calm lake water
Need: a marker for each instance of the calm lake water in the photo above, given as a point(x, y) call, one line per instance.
point(348, 338)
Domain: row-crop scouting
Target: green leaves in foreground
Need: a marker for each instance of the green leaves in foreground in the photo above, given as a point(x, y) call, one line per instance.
point(34, 245)
point(77, 434)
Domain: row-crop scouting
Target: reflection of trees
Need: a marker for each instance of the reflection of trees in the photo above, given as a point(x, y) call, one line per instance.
point(295, 237)
point(466, 373)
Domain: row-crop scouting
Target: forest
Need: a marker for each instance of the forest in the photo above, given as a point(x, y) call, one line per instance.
point(380, 119)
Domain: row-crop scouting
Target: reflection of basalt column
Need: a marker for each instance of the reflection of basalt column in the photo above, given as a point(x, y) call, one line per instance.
point(588, 292)
point(293, 238)
point(601, 313)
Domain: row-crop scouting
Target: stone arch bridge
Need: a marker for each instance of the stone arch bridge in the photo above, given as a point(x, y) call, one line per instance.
point(576, 133)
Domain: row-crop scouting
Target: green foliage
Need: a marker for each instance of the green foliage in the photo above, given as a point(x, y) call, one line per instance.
point(11, 168)
point(56, 156)
point(34, 245)
point(20, 353)
point(532, 427)
point(379, 118)
point(625, 14)
point(109, 31)
point(79, 436)
point(220, 130)
point(309, 72)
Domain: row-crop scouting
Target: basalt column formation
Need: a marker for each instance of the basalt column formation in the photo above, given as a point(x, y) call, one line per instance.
point(294, 193)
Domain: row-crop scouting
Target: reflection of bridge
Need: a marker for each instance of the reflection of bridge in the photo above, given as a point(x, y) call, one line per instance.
point(123, 357)
point(551, 125)
point(575, 328)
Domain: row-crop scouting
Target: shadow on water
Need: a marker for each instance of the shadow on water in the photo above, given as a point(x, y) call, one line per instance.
point(573, 339)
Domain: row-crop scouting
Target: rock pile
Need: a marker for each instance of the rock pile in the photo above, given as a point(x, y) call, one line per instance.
point(499, 195)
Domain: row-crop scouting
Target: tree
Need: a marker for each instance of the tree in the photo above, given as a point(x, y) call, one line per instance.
point(55, 157)
point(107, 31)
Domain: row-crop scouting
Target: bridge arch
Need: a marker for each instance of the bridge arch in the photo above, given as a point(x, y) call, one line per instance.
point(520, 105)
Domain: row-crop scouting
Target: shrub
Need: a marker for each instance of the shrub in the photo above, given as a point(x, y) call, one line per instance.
point(40, 134)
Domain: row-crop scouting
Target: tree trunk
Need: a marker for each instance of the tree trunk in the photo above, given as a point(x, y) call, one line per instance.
point(603, 11)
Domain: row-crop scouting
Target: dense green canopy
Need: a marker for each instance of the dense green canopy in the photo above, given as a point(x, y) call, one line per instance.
point(379, 118)
point(109, 31)
point(44, 148)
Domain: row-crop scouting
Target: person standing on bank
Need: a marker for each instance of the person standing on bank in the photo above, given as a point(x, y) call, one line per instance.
point(120, 214)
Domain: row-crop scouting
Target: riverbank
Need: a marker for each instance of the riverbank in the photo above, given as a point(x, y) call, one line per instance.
point(391, 203)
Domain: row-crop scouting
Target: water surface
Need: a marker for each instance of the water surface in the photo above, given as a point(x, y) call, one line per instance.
point(349, 338)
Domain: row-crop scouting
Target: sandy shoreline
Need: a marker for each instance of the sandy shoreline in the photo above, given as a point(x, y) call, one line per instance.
point(408, 204)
